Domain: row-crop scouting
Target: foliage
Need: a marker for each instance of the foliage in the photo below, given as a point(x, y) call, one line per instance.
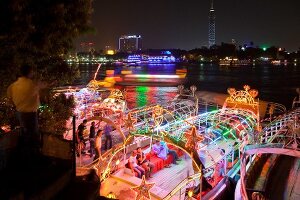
point(40, 33)
point(7, 115)
point(54, 114)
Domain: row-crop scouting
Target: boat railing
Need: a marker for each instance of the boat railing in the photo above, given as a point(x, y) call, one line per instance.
point(205, 106)
point(296, 101)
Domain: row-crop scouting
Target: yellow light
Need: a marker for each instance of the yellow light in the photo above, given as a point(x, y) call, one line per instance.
point(110, 72)
point(110, 52)
point(126, 72)
point(117, 162)
point(111, 195)
point(190, 193)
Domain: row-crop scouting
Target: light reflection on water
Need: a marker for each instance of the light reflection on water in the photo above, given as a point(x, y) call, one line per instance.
point(274, 83)
point(138, 96)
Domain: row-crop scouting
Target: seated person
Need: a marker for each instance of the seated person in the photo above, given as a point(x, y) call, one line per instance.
point(134, 166)
point(161, 150)
point(142, 161)
point(219, 171)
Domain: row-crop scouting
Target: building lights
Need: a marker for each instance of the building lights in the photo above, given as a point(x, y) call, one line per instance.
point(110, 52)
point(130, 43)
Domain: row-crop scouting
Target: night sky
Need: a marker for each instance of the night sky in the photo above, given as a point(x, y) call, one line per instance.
point(184, 23)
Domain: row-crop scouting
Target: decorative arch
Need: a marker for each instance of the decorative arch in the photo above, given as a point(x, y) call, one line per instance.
point(231, 121)
point(243, 99)
point(179, 144)
point(110, 122)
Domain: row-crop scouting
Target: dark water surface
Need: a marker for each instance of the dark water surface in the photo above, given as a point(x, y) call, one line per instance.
point(274, 83)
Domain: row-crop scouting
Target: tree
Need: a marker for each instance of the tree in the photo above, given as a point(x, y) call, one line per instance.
point(40, 33)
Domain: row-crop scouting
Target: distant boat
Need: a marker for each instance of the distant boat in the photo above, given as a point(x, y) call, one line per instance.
point(137, 59)
point(234, 62)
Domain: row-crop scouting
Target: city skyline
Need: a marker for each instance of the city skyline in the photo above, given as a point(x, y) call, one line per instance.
point(184, 25)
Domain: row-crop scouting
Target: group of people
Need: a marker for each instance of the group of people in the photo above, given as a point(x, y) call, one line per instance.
point(138, 163)
point(162, 151)
point(95, 139)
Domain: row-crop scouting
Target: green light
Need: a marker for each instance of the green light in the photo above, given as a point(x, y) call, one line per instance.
point(141, 92)
point(142, 89)
point(265, 48)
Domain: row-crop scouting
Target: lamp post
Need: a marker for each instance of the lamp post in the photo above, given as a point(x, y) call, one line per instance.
point(193, 88)
point(180, 89)
point(74, 147)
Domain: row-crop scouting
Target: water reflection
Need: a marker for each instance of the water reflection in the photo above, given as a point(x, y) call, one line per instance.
point(138, 96)
point(275, 83)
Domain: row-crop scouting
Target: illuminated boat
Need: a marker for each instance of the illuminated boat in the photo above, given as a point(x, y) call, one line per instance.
point(128, 78)
point(106, 83)
point(228, 61)
point(207, 137)
point(151, 79)
point(163, 58)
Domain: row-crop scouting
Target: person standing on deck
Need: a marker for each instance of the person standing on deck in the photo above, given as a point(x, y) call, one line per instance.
point(24, 94)
point(92, 139)
point(108, 139)
point(98, 144)
point(79, 135)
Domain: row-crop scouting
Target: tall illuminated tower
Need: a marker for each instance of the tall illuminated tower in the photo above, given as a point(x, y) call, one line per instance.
point(211, 26)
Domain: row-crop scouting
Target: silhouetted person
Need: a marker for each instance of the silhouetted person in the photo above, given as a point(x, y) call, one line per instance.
point(92, 139)
point(24, 93)
point(79, 135)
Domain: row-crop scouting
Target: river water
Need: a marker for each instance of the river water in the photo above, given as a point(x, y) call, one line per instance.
point(274, 83)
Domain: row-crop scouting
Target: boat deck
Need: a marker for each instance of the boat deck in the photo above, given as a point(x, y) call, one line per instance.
point(165, 181)
point(211, 154)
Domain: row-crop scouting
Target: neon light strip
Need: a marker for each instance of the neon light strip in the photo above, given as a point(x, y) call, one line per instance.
point(151, 76)
point(99, 65)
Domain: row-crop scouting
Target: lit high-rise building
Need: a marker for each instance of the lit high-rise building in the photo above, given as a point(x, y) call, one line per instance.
point(130, 43)
point(211, 26)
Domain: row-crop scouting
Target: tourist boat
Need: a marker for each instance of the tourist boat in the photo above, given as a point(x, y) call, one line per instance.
point(228, 61)
point(128, 78)
point(163, 58)
point(208, 138)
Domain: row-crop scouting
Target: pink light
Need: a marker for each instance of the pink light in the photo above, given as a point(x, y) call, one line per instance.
point(99, 65)
point(151, 76)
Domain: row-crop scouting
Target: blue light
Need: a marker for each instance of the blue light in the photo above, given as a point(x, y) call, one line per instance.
point(151, 59)
point(166, 53)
